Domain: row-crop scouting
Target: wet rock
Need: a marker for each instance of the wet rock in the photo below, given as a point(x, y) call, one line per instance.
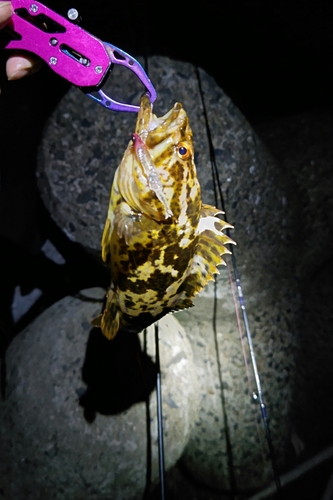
point(302, 142)
point(49, 449)
point(227, 447)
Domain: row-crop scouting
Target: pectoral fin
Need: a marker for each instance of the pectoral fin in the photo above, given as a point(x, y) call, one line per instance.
point(129, 224)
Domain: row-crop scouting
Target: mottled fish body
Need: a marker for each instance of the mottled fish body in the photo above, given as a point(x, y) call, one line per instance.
point(162, 244)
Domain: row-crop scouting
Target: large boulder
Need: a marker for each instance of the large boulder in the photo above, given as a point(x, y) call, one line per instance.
point(52, 447)
point(303, 144)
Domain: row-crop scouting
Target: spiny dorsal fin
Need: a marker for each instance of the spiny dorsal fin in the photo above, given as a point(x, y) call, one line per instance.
point(207, 210)
point(209, 250)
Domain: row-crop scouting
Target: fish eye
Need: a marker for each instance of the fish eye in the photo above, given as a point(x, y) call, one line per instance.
point(183, 151)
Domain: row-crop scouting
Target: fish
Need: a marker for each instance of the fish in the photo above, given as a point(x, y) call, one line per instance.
point(161, 242)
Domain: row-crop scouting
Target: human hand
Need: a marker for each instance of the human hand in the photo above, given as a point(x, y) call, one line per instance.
point(18, 65)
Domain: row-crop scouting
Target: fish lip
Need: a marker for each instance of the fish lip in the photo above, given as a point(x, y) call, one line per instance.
point(144, 117)
point(147, 121)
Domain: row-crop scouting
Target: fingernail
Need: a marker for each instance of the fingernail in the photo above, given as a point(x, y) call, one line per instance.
point(21, 68)
point(18, 66)
point(20, 73)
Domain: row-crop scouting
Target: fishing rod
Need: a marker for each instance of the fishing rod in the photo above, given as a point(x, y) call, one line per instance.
point(159, 414)
point(258, 395)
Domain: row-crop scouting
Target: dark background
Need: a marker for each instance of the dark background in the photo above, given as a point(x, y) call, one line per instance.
point(270, 57)
point(274, 59)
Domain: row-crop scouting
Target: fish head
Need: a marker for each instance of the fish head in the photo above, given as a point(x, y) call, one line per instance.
point(158, 161)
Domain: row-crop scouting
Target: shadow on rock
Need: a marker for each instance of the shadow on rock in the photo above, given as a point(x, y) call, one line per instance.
point(118, 374)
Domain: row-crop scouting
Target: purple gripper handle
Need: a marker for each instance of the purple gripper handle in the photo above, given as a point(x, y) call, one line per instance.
point(70, 51)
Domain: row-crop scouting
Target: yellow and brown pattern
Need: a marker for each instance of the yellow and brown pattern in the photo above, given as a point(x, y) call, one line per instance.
point(161, 243)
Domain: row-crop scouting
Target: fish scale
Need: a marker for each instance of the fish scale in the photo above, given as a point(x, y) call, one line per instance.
point(162, 244)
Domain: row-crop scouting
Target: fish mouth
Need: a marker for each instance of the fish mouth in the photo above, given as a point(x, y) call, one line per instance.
point(153, 130)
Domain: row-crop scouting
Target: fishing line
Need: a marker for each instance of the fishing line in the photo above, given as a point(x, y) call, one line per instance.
point(258, 396)
point(161, 462)
point(247, 370)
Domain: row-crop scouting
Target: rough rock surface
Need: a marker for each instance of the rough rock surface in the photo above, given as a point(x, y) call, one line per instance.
point(303, 144)
point(82, 147)
point(227, 447)
point(49, 450)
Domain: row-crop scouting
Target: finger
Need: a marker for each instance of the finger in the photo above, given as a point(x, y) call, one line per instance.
point(18, 66)
point(5, 13)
